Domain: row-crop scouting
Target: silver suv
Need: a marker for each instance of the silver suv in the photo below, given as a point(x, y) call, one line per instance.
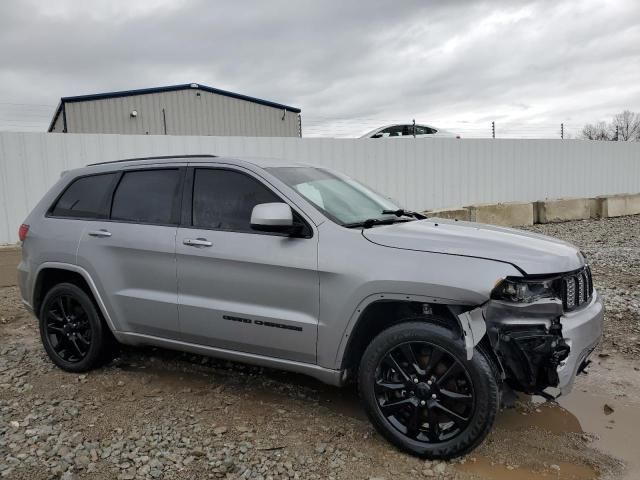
point(300, 268)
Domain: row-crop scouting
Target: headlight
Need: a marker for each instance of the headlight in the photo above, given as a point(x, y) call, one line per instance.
point(523, 291)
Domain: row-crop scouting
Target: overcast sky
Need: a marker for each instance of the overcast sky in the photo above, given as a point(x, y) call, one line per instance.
point(350, 66)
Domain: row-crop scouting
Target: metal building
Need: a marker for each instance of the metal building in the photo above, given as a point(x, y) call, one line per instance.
point(189, 109)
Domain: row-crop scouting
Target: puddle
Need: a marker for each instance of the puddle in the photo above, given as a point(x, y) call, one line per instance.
point(484, 468)
point(549, 417)
point(613, 382)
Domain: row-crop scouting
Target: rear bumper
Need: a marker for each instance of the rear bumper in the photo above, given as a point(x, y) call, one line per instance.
point(24, 284)
point(582, 330)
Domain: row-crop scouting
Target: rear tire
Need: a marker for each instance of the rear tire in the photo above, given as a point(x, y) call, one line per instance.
point(71, 329)
point(423, 395)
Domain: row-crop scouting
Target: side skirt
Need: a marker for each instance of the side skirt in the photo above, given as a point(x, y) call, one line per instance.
point(325, 375)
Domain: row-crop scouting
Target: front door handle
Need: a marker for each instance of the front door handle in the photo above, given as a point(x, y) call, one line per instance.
point(197, 242)
point(100, 233)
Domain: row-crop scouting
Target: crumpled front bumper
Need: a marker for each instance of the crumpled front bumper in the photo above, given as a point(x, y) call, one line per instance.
point(582, 330)
point(537, 324)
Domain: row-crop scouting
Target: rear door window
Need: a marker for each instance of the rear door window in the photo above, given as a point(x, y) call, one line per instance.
point(86, 197)
point(148, 196)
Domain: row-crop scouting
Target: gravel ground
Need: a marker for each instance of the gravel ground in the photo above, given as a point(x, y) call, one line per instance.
point(153, 413)
point(612, 247)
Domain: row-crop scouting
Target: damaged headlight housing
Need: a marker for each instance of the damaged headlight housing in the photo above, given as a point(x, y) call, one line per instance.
point(520, 290)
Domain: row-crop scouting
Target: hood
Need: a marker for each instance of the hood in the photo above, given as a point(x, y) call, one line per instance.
point(530, 252)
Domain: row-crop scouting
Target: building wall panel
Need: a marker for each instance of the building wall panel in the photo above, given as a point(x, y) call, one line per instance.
point(188, 112)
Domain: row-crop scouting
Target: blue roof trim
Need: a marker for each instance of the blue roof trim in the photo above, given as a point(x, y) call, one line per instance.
point(173, 88)
point(170, 88)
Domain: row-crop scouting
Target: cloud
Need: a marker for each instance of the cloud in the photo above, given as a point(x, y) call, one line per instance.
point(350, 66)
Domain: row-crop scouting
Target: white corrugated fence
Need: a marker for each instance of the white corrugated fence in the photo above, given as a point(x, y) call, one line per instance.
point(418, 173)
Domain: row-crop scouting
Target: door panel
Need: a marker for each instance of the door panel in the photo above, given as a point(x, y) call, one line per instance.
point(132, 257)
point(248, 292)
point(135, 272)
point(238, 289)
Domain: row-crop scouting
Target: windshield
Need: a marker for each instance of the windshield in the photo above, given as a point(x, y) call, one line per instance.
point(340, 198)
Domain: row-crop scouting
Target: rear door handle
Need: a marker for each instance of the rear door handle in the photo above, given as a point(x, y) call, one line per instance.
point(100, 233)
point(197, 242)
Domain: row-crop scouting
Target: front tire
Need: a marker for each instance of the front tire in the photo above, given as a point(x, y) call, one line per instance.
point(423, 395)
point(71, 329)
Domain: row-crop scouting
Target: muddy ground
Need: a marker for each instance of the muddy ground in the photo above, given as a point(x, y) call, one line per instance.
point(154, 413)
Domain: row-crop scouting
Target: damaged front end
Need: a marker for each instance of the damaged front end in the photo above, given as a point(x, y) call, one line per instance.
point(542, 329)
point(529, 343)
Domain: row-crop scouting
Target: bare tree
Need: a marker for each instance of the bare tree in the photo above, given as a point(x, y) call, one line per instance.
point(598, 131)
point(628, 126)
point(624, 127)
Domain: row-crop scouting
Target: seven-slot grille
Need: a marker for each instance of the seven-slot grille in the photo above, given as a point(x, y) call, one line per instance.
point(577, 288)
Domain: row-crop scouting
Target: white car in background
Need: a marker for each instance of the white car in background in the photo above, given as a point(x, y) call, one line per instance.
point(407, 131)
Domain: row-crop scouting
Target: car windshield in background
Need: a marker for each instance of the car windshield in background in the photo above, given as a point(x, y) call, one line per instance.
point(340, 198)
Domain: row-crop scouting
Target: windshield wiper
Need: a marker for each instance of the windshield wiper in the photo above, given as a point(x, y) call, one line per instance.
point(403, 213)
point(371, 222)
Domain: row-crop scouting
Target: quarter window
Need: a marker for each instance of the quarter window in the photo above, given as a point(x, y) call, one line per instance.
point(421, 130)
point(147, 196)
point(86, 197)
point(224, 199)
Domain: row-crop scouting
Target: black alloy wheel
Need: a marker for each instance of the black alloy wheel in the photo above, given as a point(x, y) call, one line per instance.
point(422, 393)
point(71, 328)
point(67, 328)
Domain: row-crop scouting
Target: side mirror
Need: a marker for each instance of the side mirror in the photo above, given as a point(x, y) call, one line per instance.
point(376, 135)
point(274, 218)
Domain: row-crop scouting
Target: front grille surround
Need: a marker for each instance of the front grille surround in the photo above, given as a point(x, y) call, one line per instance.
point(577, 288)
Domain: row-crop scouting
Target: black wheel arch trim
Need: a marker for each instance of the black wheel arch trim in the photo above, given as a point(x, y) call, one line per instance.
point(86, 276)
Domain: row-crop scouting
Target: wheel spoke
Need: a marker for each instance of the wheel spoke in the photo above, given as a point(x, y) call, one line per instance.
point(413, 425)
point(61, 307)
point(51, 315)
point(53, 328)
point(458, 397)
point(68, 306)
point(410, 356)
point(434, 426)
point(390, 385)
point(390, 408)
point(389, 358)
point(434, 360)
point(80, 337)
point(61, 346)
point(453, 369)
point(76, 347)
point(456, 417)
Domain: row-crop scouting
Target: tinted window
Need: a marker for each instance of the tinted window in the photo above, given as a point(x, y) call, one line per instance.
point(147, 196)
point(224, 199)
point(394, 131)
point(86, 197)
point(421, 130)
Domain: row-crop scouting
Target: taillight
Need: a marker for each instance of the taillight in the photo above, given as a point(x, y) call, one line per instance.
point(23, 231)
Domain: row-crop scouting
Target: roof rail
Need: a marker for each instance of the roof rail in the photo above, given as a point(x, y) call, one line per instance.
point(159, 157)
